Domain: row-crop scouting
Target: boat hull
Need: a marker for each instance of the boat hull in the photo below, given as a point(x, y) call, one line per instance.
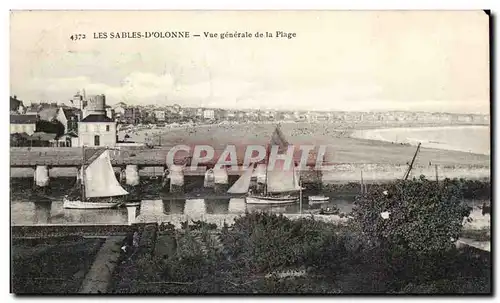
point(76, 204)
point(318, 199)
point(271, 200)
point(130, 204)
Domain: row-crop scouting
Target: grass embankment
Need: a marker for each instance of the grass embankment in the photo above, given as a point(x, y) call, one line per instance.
point(51, 266)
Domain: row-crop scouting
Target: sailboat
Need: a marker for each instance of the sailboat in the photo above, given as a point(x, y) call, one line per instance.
point(281, 186)
point(99, 187)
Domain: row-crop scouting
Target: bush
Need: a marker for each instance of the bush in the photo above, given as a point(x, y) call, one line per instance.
point(261, 242)
point(424, 216)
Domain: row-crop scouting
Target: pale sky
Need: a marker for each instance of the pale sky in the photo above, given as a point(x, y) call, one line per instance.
point(340, 60)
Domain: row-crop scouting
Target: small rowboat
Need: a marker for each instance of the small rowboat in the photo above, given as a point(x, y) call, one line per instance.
point(320, 199)
point(131, 204)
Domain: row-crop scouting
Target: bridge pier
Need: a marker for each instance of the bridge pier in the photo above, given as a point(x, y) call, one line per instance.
point(132, 214)
point(218, 179)
point(221, 184)
point(79, 175)
point(41, 176)
point(132, 175)
point(122, 177)
point(209, 180)
point(176, 177)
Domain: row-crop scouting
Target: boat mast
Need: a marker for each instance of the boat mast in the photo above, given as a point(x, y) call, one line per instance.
point(83, 173)
point(300, 196)
point(407, 174)
point(266, 163)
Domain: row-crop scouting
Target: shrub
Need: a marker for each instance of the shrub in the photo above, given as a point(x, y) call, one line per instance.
point(424, 216)
point(261, 242)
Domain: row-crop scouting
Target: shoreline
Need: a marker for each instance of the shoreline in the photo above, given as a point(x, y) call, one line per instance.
point(401, 135)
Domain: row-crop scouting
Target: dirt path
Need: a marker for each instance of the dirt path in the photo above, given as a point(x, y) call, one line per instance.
point(99, 276)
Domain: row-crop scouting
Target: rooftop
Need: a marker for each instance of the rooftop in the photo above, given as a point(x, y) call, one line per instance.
point(97, 118)
point(48, 113)
point(23, 119)
point(71, 111)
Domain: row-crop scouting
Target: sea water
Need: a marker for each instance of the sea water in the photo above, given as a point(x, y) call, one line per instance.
point(471, 139)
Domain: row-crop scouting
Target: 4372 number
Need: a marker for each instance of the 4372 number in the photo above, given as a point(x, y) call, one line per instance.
point(75, 37)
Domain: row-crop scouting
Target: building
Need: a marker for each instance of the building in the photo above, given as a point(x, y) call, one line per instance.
point(69, 117)
point(23, 124)
point(199, 112)
point(16, 106)
point(159, 115)
point(97, 130)
point(120, 109)
point(78, 102)
point(96, 105)
point(209, 114)
point(110, 112)
point(132, 115)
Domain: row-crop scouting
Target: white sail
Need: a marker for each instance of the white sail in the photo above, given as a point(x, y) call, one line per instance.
point(243, 183)
point(260, 173)
point(281, 180)
point(100, 179)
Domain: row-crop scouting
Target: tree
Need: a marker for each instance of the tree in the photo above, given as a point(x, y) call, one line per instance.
point(417, 216)
point(51, 127)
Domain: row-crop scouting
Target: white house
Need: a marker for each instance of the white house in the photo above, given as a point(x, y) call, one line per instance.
point(97, 130)
point(159, 115)
point(23, 124)
point(208, 114)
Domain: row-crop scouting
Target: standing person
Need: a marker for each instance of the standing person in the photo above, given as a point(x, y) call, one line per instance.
point(135, 239)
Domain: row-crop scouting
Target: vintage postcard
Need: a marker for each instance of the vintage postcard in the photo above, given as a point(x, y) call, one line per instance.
point(250, 152)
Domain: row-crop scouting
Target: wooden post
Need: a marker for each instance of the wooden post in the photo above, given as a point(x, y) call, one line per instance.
point(362, 183)
point(300, 197)
point(436, 168)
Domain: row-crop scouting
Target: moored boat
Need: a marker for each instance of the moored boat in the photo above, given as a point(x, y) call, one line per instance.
point(77, 204)
point(99, 188)
point(318, 199)
point(284, 199)
point(281, 185)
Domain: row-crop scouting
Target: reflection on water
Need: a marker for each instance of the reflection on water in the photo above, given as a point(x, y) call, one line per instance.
point(173, 206)
point(237, 206)
point(217, 206)
point(42, 213)
point(195, 207)
point(54, 213)
point(28, 212)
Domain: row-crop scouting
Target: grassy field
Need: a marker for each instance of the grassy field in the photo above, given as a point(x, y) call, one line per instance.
point(51, 267)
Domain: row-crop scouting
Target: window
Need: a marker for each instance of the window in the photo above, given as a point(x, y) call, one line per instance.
point(96, 141)
point(107, 128)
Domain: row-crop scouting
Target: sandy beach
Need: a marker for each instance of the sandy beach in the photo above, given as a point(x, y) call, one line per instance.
point(346, 154)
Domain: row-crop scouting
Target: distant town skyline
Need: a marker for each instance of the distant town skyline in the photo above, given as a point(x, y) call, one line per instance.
point(339, 61)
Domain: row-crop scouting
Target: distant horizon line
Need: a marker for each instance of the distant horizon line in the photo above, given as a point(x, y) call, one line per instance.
point(268, 109)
